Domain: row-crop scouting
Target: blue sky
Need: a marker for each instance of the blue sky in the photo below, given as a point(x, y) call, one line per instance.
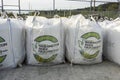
point(47, 4)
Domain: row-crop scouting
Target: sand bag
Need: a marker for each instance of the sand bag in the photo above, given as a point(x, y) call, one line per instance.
point(45, 41)
point(12, 48)
point(83, 41)
point(113, 42)
point(104, 25)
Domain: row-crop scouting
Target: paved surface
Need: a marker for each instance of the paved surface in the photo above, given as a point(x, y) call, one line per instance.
point(102, 71)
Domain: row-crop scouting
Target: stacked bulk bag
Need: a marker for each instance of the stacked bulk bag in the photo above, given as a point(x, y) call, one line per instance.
point(112, 45)
point(12, 49)
point(45, 41)
point(83, 41)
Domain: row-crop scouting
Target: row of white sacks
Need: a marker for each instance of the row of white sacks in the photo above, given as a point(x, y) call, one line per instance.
point(49, 41)
point(47, 38)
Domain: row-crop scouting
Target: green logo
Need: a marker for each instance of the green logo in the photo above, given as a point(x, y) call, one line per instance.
point(89, 45)
point(41, 47)
point(40, 59)
point(2, 44)
point(1, 40)
point(91, 34)
point(46, 38)
point(2, 58)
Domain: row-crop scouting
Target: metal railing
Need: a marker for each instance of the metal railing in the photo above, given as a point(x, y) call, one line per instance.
point(18, 6)
point(64, 13)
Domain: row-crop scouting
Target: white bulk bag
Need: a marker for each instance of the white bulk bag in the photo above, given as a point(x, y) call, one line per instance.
point(83, 41)
point(113, 42)
point(12, 49)
point(104, 26)
point(44, 41)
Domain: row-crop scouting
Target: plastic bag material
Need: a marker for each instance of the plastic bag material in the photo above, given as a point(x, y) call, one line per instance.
point(104, 26)
point(12, 48)
point(113, 42)
point(45, 41)
point(83, 41)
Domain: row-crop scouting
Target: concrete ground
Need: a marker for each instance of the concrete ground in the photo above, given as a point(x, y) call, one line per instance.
point(103, 71)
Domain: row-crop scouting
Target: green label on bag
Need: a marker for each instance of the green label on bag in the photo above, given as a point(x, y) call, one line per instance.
point(2, 58)
point(45, 48)
point(90, 45)
point(91, 34)
point(41, 59)
point(1, 40)
point(46, 38)
point(3, 49)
